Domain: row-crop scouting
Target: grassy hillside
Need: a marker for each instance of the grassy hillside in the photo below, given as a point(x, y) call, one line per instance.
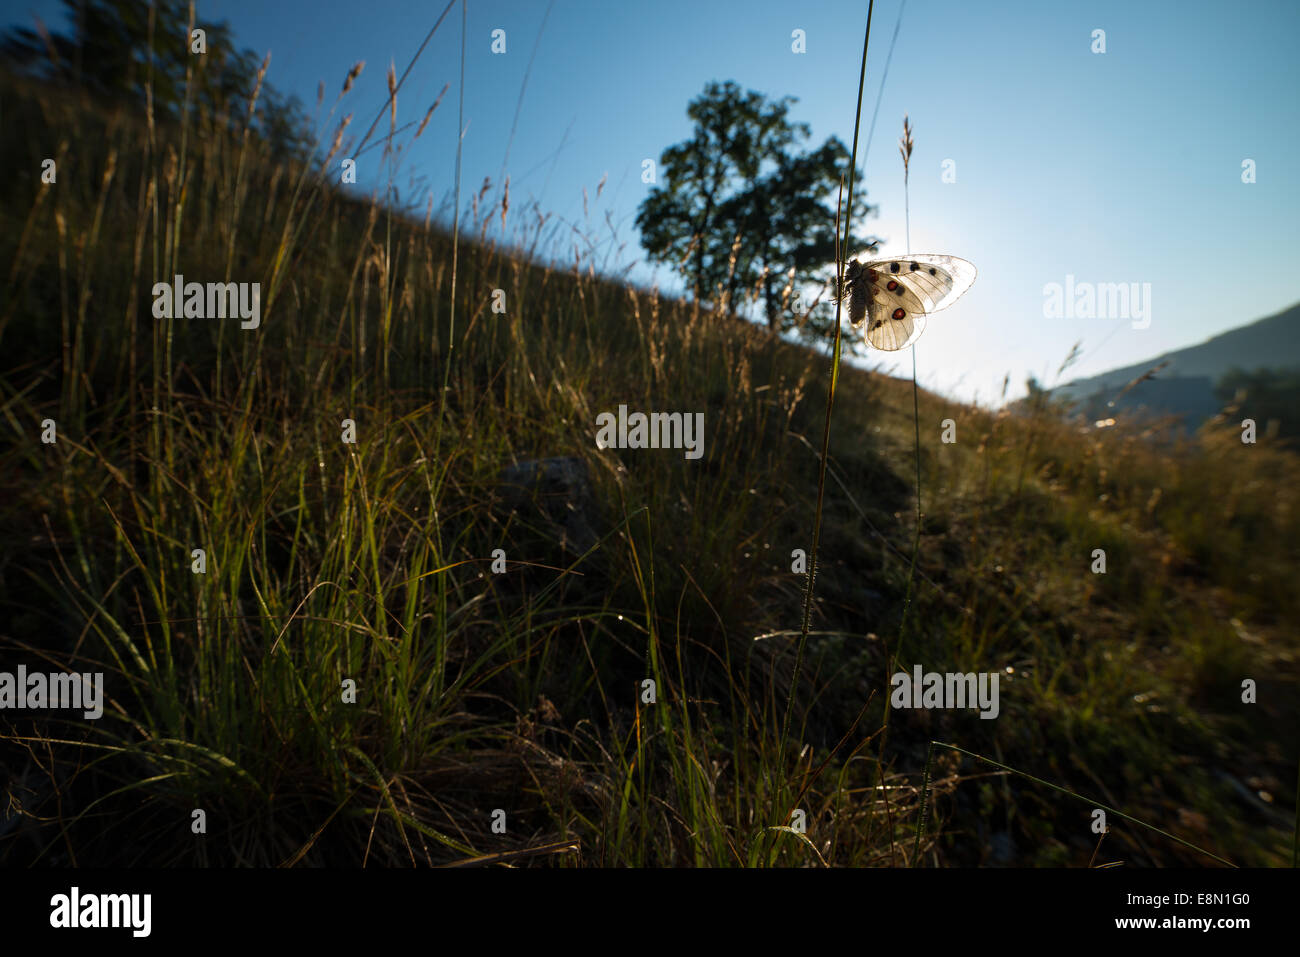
point(1185, 383)
point(522, 692)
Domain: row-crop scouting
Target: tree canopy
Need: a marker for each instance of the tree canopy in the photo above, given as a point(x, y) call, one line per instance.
point(743, 209)
point(113, 51)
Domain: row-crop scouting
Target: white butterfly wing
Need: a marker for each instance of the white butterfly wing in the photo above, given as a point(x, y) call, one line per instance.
point(902, 292)
point(890, 334)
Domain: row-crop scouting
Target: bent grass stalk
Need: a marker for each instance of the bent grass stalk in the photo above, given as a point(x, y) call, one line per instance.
point(920, 828)
point(830, 396)
point(905, 149)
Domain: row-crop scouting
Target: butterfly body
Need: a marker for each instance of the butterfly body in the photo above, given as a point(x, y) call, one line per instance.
point(894, 296)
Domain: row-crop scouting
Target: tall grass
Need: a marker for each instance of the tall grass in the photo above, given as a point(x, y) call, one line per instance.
point(329, 562)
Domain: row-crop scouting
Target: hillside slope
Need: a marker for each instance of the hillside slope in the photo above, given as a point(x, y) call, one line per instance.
point(391, 635)
point(1185, 386)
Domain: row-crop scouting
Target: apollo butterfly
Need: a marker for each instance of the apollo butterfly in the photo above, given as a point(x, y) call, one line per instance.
point(894, 296)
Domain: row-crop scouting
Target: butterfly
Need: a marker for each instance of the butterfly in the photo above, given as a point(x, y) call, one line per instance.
point(895, 295)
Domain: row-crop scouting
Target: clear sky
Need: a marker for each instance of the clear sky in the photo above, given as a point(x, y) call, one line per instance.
point(1115, 167)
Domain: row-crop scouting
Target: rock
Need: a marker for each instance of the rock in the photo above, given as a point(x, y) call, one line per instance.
point(560, 488)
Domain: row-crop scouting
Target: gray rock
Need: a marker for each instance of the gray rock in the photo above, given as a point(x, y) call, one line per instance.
point(560, 489)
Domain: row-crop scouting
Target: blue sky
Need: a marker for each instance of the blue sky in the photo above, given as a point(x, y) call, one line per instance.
point(1115, 167)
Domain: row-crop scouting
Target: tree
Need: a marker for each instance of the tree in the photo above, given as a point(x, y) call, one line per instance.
point(113, 53)
point(740, 209)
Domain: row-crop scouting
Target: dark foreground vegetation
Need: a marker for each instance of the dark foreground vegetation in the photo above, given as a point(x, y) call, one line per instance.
point(522, 691)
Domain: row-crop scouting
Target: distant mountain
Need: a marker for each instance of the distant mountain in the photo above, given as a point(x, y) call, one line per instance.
point(1186, 385)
